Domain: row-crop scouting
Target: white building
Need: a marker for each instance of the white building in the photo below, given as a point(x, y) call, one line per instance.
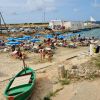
point(67, 25)
point(56, 24)
point(74, 25)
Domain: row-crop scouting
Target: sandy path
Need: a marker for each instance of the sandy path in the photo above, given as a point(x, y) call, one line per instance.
point(86, 90)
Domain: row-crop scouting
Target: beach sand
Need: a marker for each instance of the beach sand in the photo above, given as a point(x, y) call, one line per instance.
point(47, 77)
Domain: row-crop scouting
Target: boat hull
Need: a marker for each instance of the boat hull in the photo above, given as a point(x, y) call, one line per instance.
point(14, 91)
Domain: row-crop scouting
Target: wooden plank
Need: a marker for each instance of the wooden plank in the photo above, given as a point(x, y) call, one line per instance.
point(21, 81)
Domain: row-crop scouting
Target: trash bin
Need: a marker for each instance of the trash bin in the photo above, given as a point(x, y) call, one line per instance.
point(97, 49)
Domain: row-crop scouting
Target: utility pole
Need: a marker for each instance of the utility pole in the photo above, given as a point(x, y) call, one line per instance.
point(0, 24)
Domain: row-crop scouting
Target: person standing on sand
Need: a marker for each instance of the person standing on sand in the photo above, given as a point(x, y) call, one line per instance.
point(42, 54)
point(50, 55)
point(13, 48)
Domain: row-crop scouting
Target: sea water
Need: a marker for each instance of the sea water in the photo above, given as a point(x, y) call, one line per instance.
point(91, 33)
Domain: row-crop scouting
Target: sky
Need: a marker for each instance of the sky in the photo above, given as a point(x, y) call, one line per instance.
point(30, 11)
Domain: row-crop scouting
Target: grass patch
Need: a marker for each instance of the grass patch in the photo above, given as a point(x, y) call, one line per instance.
point(52, 94)
point(47, 98)
point(97, 64)
point(65, 82)
point(91, 77)
point(96, 61)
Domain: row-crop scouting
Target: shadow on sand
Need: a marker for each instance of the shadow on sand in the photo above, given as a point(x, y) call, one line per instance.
point(42, 88)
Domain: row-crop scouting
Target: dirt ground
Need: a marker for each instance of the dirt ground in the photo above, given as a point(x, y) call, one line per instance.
point(47, 77)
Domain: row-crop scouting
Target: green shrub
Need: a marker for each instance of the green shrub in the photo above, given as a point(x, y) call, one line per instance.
point(65, 82)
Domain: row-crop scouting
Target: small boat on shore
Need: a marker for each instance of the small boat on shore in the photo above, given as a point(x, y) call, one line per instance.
point(21, 86)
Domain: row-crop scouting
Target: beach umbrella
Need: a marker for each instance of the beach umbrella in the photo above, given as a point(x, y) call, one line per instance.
point(61, 37)
point(10, 39)
point(48, 36)
point(20, 39)
point(27, 37)
point(35, 40)
point(13, 43)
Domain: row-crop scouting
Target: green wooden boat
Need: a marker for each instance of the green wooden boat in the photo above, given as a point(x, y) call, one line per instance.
point(21, 86)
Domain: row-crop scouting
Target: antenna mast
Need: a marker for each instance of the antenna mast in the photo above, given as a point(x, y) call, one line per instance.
point(0, 24)
point(2, 19)
point(44, 16)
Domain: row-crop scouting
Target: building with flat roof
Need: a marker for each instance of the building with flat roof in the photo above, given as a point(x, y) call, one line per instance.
point(66, 25)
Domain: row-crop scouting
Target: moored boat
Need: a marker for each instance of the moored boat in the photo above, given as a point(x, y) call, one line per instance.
point(21, 86)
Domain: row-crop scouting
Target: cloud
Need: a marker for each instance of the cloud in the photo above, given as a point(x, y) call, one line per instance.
point(15, 7)
point(96, 4)
point(47, 5)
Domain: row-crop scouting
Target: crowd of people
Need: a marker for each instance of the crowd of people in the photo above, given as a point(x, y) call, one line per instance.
point(47, 47)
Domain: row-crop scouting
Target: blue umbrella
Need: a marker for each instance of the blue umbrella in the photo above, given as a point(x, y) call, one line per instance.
point(20, 39)
point(12, 43)
point(61, 37)
point(35, 40)
point(27, 37)
point(10, 39)
point(49, 36)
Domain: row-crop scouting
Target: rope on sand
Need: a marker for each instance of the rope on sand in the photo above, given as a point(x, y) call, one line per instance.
point(6, 80)
point(71, 57)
